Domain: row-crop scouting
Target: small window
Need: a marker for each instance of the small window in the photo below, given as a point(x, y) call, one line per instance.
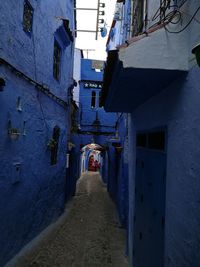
point(54, 148)
point(19, 104)
point(27, 17)
point(140, 16)
point(151, 140)
point(56, 61)
point(93, 99)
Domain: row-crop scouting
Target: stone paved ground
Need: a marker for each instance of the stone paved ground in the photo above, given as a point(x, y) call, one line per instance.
point(87, 235)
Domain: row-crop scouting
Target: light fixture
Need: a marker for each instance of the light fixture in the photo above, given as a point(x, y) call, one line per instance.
point(101, 12)
point(101, 20)
point(102, 5)
point(196, 52)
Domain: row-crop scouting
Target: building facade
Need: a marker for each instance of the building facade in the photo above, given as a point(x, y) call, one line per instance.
point(36, 74)
point(95, 125)
point(154, 77)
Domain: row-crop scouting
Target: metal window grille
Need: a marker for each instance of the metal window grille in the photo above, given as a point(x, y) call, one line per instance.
point(54, 149)
point(27, 17)
point(140, 16)
point(56, 61)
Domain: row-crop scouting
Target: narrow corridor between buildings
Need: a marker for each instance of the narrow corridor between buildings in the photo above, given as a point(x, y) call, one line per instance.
point(87, 235)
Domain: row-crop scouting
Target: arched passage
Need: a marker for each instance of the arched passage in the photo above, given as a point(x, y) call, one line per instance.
point(91, 158)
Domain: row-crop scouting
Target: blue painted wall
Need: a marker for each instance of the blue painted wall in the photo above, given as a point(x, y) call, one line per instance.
point(29, 185)
point(177, 108)
point(118, 169)
point(123, 170)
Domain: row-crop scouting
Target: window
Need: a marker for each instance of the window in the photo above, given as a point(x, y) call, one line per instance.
point(56, 61)
point(151, 140)
point(54, 148)
point(19, 104)
point(140, 16)
point(27, 17)
point(93, 99)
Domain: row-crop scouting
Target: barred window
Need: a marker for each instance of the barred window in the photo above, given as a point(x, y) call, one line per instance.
point(140, 16)
point(56, 61)
point(54, 148)
point(27, 17)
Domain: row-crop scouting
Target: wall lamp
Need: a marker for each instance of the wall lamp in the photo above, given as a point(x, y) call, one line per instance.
point(102, 5)
point(196, 52)
point(2, 84)
point(101, 21)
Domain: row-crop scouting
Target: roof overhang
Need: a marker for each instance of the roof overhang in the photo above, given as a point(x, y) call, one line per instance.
point(130, 87)
point(141, 70)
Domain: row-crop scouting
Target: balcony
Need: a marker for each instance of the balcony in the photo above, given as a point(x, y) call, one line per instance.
point(142, 69)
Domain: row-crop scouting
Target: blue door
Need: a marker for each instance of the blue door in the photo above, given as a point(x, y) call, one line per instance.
point(149, 216)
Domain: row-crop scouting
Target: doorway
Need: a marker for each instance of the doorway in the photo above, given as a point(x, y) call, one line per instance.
point(150, 186)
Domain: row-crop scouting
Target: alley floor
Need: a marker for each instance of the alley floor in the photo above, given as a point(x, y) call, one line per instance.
point(87, 235)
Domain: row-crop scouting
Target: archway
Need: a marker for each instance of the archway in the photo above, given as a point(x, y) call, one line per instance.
point(91, 158)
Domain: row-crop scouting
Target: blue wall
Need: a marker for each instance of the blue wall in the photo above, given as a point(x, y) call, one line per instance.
point(29, 184)
point(118, 170)
point(176, 108)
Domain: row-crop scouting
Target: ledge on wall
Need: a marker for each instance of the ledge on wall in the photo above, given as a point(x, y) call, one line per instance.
point(141, 70)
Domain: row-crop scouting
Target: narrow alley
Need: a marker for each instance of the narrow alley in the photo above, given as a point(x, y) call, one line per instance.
point(88, 234)
point(99, 133)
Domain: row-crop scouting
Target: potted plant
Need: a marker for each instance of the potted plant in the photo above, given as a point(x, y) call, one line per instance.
point(51, 144)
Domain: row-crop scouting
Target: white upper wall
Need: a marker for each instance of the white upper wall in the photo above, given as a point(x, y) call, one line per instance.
point(169, 47)
point(77, 74)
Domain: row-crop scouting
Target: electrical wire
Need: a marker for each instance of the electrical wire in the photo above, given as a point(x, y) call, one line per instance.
point(197, 20)
point(169, 17)
point(189, 22)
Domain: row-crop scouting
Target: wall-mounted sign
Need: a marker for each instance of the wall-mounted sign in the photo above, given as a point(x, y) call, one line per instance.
point(93, 85)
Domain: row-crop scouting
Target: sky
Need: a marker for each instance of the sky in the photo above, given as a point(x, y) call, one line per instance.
point(86, 20)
